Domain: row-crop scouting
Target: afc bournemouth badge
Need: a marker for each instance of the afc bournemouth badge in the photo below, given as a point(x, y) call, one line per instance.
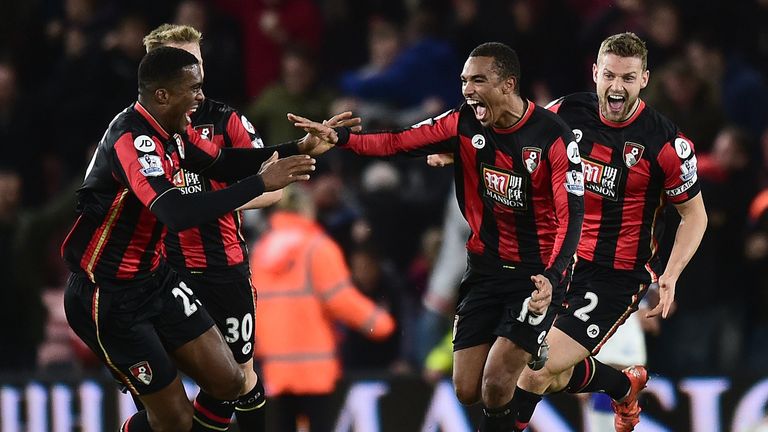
point(531, 158)
point(632, 153)
point(142, 372)
point(206, 131)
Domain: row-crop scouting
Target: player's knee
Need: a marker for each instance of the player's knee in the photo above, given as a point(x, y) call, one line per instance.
point(467, 395)
point(495, 392)
point(229, 387)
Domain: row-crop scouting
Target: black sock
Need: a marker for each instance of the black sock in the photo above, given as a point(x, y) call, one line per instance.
point(211, 414)
point(249, 409)
point(526, 404)
point(590, 376)
point(137, 423)
point(498, 419)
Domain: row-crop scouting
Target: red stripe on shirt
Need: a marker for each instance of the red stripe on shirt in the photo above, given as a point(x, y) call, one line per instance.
point(509, 245)
point(633, 205)
point(138, 245)
point(593, 208)
point(473, 206)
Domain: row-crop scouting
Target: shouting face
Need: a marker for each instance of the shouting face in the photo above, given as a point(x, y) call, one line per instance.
point(485, 91)
point(185, 96)
point(619, 81)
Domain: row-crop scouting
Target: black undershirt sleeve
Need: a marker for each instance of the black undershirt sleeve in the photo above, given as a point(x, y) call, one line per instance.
point(179, 212)
point(237, 163)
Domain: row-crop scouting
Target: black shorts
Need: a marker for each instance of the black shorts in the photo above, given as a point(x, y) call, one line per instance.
point(229, 298)
point(496, 304)
point(132, 326)
point(598, 301)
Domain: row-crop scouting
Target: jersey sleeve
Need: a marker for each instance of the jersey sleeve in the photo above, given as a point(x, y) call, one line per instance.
point(138, 165)
point(677, 159)
point(568, 195)
point(433, 135)
point(197, 153)
point(241, 132)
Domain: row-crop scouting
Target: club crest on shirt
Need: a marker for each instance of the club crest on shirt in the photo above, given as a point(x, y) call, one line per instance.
point(504, 187)
point(632, 153)
point(531, 158)
point(142, 372)
point(206, 131)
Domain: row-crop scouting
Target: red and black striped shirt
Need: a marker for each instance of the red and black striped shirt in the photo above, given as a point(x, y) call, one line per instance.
point(518, 187)
point(217, 244)
point(116, 236)
point(631, 169)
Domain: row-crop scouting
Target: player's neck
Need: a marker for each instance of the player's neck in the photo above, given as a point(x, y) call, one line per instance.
point(160, 115)
point(513, 113)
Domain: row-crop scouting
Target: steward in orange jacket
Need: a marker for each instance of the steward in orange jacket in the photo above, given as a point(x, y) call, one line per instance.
point(303, 287)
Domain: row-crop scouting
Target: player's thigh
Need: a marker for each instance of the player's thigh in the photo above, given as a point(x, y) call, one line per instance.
point(208, 361)
point(478, 312)
point(118, 327)
point(599, 301)
point(230, 301)
point(195, 343)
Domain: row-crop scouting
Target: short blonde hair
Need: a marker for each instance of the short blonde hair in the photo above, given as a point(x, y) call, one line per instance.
point(625, 45)
point(169, 33)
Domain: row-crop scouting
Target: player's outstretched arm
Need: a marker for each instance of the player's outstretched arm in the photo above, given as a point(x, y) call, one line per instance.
point(693, 223)
point(180, 212)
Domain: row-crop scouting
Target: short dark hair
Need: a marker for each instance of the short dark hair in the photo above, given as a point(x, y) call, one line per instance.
point(162, 66)
point(625, 44)
point(505, 60)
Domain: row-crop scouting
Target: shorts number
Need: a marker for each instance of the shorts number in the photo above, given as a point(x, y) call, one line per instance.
point(183, 292)
point(532, 319)
point(246, 329)
point(581, 313)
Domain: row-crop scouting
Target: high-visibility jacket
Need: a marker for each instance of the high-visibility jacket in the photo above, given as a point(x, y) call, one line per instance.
point(303, 287)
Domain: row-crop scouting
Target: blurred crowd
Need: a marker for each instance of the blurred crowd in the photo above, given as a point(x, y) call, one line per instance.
point(68, 66)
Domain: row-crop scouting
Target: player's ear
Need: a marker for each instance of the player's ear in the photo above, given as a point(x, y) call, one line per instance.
point(161, 96)
point(509, 85)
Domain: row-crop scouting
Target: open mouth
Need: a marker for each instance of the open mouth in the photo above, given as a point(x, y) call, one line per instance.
point(616, 102)
point(479, 108)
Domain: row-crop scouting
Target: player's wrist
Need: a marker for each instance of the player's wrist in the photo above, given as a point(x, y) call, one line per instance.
point(343, 133)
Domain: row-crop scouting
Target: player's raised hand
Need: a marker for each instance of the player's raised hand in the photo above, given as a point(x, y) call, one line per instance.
point(319, 139)
point(666, 297)
point(282, 172)
point(345, 119)
point(440, 160)
point(541, 297)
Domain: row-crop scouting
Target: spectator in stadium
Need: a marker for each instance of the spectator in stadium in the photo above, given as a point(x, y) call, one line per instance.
point(298, 89)
point(24, 238)
point(304, 288)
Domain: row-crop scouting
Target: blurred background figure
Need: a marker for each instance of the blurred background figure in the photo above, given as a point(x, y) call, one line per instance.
point(297, 91)
point(304, 289)
point(25, 262)
point(268, 27)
